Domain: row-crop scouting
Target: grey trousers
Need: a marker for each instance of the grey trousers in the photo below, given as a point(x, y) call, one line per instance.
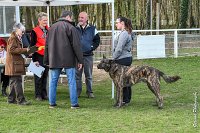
point(16, 92)
point(87, 68)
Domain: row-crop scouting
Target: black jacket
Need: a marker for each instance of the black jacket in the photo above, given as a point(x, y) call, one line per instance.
point(62, 48)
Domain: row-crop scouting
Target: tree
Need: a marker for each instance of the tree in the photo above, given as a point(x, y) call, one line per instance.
point(183, 14)
point(148, 14)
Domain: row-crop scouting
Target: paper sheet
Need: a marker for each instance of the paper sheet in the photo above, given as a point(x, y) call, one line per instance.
point(37, 70)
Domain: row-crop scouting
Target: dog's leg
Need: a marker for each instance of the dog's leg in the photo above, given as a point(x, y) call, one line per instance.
point(120, 96)
point(152, 90)
point(155, 88)
point(117, 95)
point(159, 97)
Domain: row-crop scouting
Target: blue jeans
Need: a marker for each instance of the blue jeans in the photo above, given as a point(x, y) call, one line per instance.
point(53, 82)
point(87, 68)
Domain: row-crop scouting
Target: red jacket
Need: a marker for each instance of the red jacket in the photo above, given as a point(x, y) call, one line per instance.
point(41, 38)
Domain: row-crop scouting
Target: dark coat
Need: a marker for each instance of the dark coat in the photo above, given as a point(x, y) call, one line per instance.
point(62, 48)
point(90, 39)
point(14, 60)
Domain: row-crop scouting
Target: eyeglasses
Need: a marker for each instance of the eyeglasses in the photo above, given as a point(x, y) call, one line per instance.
point(2, 47)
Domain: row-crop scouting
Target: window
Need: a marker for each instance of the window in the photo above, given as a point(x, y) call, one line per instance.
point(7, 19)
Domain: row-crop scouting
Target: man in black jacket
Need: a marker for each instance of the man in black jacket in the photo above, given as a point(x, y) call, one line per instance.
point(62, 50)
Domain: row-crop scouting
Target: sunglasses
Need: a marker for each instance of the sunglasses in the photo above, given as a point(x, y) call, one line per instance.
point(2, 47)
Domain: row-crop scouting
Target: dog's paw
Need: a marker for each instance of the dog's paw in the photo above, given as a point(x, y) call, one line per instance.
point(117, 105)
point(160, 106)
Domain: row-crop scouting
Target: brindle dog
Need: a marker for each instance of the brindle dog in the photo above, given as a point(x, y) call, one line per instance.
point(124, 75)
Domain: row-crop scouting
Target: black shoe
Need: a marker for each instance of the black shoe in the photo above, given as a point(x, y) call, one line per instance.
point(45, 98)
point(38, 98)
point(24, 103)
point(75, 106)
point(125, 103)
point(12, 102)
point(52, 106)
point(90, 95)
point(4, 94)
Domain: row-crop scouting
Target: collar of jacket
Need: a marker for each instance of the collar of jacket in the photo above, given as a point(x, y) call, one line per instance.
point(79, 26)
point(62, 19)
point(18, 38)
point(14, 36)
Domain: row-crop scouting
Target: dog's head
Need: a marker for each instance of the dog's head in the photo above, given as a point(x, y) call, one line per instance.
point(105, 64)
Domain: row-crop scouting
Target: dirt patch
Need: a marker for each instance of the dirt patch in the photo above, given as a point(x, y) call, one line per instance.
point(99, 75)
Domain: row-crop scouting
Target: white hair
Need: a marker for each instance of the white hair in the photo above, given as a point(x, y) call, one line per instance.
point(18, 26)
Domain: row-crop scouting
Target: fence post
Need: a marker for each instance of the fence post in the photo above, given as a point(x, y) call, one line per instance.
point(113, 29)
point(175, 43)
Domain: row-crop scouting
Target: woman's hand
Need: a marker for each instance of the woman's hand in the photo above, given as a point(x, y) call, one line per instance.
point(41, 47)
point(37, 63)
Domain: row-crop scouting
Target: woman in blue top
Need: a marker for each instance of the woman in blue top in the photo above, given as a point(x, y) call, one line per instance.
point(122, 51)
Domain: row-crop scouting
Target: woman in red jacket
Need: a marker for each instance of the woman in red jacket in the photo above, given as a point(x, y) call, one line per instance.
point(38, 38)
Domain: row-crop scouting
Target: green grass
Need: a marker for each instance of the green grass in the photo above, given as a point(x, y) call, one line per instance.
point(98, 115)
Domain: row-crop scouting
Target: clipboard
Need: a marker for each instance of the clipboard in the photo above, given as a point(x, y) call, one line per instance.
point(32, 49)
point(37, 70)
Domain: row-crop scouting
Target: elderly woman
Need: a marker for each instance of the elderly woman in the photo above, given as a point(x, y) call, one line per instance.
point(15, 66)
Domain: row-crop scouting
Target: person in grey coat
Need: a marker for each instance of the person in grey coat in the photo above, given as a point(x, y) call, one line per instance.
point(122, 51)
point(63, 50)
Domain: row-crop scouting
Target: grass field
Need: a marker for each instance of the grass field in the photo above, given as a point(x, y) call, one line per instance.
point(98, 115)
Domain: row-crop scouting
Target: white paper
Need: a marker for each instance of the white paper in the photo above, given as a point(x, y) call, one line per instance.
point(23, 56)
point(37, 70)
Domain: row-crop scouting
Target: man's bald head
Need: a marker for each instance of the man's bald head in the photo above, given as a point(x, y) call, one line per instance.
point(83, 19)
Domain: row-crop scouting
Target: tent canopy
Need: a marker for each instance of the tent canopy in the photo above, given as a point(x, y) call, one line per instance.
point(50, 2)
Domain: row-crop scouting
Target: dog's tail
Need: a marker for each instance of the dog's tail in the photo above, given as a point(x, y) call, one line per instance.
point(169, 79)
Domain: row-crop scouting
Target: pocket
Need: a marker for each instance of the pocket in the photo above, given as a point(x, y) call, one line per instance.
point(18, 67)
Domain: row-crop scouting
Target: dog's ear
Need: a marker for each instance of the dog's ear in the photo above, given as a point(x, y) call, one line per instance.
point(104, 57)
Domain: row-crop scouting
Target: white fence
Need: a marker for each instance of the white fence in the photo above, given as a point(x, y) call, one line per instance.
point(178, 42)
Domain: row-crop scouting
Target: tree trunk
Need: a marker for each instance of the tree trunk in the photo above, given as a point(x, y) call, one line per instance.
point(103, 20)
point(75, 13)
point(148, 13)
point(183, 14)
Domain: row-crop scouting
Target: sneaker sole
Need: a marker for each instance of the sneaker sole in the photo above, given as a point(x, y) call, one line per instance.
point(50, 107)
point(75, 107)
